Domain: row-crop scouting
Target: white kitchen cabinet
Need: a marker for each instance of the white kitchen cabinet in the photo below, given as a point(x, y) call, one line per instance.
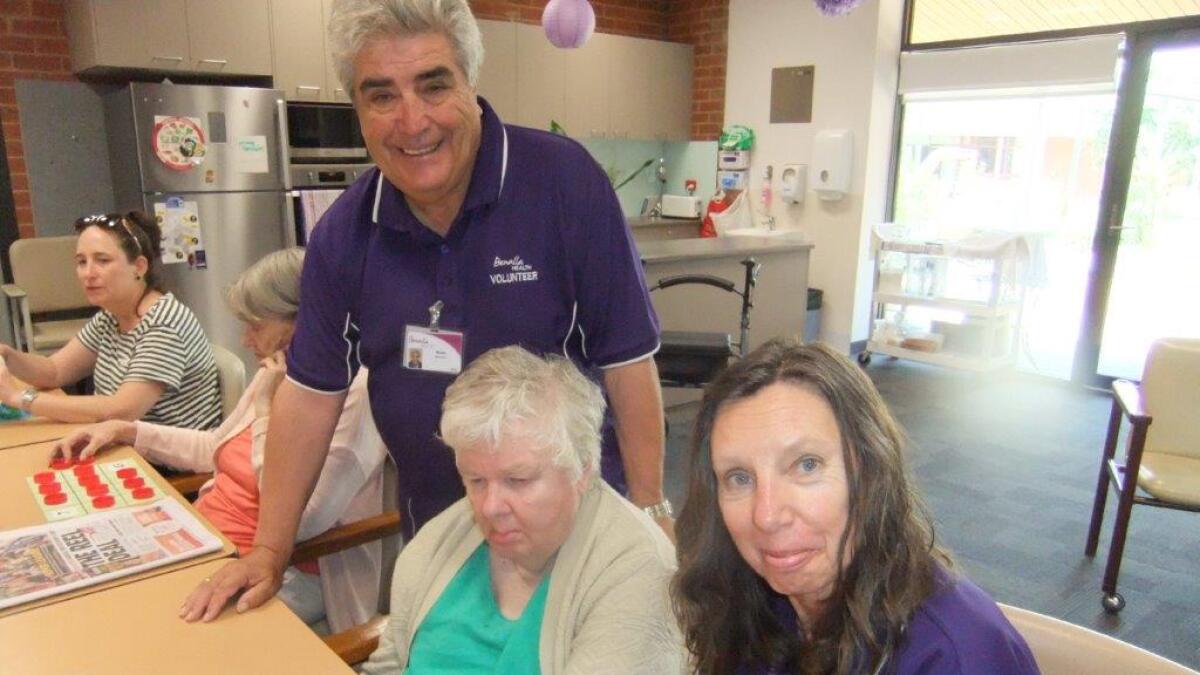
point(630, 88)
point(128, 34)
point(197, 36)
point(671, 91)
point(498, 74)
point(299, 61)
point(541, 80)
point(650, 87)
point(586, 107)
point(230, 36)
point(332, 81)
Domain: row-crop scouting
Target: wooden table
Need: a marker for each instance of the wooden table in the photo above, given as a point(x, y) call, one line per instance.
point(19, 509)
point(135, 629)
point(14, 433)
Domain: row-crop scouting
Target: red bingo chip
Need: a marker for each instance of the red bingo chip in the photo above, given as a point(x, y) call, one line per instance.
point(86, 460)
point(134, 483)
point(127, 472)
point(49, 488)
point(89, 481)
point(97, 490)
point(82, 470)
point(54, 499)
point(43, 477)
point(143, 493)
point(103, 502)
point(61, 463)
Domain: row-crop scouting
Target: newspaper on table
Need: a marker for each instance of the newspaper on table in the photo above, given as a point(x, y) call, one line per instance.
point(44, 560)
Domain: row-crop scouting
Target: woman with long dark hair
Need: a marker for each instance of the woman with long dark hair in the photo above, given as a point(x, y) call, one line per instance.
point(803, 545)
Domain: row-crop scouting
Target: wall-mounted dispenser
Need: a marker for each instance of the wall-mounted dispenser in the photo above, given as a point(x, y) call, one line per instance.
point(792, 183)
point(833, 157)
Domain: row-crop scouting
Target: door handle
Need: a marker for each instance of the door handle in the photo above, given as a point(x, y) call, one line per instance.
point(215, 62)
point(176, 59)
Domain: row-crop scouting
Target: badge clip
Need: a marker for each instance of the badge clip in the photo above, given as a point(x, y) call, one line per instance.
point(435, 315)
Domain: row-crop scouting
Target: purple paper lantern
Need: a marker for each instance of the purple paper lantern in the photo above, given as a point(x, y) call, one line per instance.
point(836, 7)
point(568, 23)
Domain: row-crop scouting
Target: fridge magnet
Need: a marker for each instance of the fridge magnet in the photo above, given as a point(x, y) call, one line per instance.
point(178, 142)
point(181, 236)
point(250, 154)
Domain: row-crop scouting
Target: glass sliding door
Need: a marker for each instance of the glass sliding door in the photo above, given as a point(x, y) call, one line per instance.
point(1145, 277)
point(1155, 288)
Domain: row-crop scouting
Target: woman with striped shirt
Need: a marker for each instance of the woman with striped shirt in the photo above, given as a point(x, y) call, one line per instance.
point(148, 355)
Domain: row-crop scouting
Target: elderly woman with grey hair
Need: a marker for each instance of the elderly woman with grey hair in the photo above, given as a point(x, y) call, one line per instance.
point(541, 568)
point(342, 588)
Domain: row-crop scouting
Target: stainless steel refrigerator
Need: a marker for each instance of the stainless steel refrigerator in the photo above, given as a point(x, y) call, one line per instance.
point(210, 163)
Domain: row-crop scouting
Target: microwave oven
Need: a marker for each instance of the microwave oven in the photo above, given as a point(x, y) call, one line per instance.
point(324, 133)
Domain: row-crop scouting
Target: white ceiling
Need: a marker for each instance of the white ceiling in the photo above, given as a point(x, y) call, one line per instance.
point(939, 20)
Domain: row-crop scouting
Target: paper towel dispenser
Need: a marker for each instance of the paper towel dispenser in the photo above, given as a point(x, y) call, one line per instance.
point(833, 157)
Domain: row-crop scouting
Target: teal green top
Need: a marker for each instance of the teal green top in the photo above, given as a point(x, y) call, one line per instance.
point(465, 632)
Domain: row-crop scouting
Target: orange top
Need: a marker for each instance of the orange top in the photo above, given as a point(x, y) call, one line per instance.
point(231, 505)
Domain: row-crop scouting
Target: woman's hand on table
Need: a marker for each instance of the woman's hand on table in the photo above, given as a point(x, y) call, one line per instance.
point(93, 438)
point(259, 573)
point(276, 367)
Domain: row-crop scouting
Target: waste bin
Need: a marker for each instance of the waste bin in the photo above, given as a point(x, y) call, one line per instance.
point(812, 318)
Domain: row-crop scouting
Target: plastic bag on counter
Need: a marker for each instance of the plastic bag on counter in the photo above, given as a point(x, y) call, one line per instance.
point(736, 216)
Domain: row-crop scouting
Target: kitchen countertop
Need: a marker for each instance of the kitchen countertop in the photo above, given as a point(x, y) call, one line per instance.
point(720, 247)
point(658, 221)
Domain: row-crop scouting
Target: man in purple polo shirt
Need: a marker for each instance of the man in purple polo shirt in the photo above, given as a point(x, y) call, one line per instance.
point(470, 235)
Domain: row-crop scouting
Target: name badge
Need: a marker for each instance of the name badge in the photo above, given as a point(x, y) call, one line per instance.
point(433, 349)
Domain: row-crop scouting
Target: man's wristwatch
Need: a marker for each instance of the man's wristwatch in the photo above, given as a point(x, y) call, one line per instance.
point(27, 397)
point(660, 510)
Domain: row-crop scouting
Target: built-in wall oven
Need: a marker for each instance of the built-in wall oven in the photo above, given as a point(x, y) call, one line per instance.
point(326, 154)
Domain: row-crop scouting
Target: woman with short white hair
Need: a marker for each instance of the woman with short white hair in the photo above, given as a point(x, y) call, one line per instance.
point(541, 567)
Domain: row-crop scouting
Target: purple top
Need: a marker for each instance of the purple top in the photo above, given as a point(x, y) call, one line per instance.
point(958, 630)
point(539, 256)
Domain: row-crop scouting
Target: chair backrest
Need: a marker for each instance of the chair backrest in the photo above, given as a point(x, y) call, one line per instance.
point(1063, 648)
point(231, 377)
point(44, 267)
point(1171, 391)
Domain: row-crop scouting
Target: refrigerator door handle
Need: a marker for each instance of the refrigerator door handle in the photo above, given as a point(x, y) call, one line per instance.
point(285, 169)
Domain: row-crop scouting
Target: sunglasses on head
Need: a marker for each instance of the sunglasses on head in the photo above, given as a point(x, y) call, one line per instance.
point(113, 221)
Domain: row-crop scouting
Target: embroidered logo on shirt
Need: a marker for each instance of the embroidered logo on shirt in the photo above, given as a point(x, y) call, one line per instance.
point(518, 271)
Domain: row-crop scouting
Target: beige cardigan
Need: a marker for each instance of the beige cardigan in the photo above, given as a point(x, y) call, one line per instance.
point(350, 488)
point(607, 608)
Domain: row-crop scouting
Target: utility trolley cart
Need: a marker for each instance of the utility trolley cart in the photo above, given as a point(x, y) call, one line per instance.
point(955, 304)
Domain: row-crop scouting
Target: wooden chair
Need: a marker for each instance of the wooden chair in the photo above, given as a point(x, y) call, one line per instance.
point(1062, 648)
point(1163, 459)
point(45, 301)
point(231, 379)
point(355, 645)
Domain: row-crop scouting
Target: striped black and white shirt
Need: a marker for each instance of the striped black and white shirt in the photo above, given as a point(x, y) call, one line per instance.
point(168, 346)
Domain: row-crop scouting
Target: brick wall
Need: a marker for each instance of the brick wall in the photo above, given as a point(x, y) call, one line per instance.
point(33, 46)
point(704, 24)
point(701, 23)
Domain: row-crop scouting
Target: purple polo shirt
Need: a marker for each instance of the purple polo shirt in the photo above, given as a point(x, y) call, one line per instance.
point(958, 630)
point(539, 256)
